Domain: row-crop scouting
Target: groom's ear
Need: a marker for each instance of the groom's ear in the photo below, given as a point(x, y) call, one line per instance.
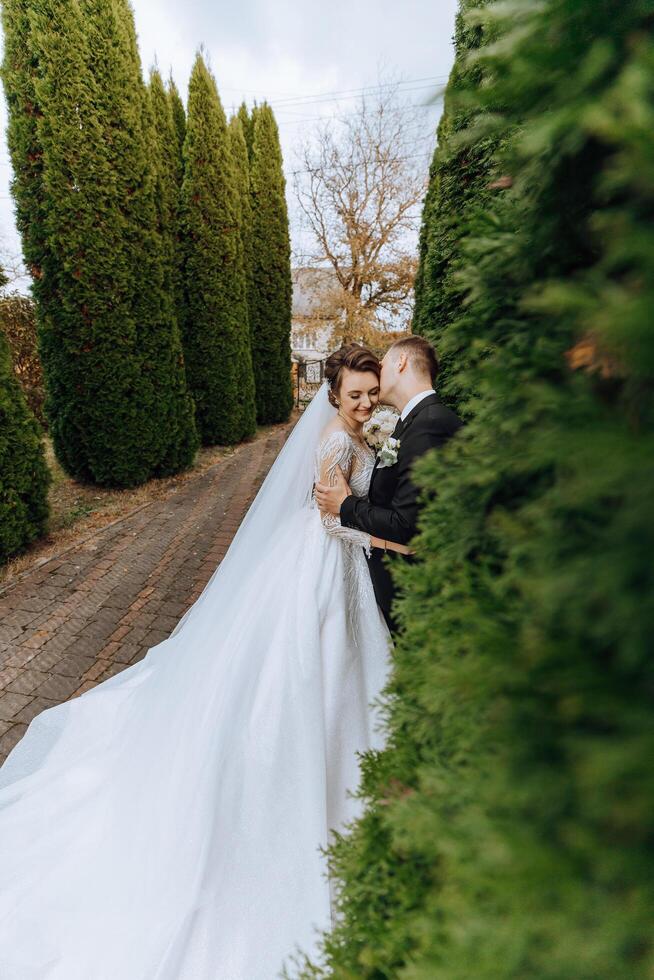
point(402, 362)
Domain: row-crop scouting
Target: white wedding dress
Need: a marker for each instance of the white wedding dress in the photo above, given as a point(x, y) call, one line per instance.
point(167, 824)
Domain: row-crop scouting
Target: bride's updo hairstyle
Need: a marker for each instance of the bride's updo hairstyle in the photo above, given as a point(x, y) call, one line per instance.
point(351, 356)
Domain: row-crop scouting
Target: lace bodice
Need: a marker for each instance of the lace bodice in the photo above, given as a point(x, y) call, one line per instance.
point(357, 461)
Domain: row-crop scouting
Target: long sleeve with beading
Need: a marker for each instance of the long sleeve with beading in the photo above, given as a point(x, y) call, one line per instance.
point(337, 449)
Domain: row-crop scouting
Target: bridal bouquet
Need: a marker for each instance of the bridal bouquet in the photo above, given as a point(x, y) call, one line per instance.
point(379, 427)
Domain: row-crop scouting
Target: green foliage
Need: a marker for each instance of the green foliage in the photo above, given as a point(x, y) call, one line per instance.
point(79, 136)
point(459, 178)
point(168, 181)
point(18, 323)
point(506, 831)
point(179, 278)
point(270, 309)
point(247, 122)
point(179, 114)
point(240, 155)
point(24, 476)
point(216, 332)
point(171, 425)
point(19, 74)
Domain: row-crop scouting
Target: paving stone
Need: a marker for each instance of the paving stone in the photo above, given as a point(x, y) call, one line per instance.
point(7, 675)
point(11, 704)
point(36, 603)
point(96, 670)
point(45, 660)
point(139, 655)
point(57, 687)
point(95, 630)
point(34, 708)
point(7, 632)
point(36, 639)
point(26, 681)
point(157, 636)
point(10, 739)
point(58, 644)
point(18, 617)
point(111, 670)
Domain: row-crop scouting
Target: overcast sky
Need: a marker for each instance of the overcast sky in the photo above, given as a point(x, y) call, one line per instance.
point(308, 59)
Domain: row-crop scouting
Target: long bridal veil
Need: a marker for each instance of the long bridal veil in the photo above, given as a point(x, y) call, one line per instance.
point(285, 492)
point(167, 824)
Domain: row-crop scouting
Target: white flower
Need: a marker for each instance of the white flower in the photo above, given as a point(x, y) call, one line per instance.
point(387, 455)
point(379, 427)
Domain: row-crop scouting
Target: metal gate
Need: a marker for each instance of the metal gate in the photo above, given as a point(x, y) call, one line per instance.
point(308, 378)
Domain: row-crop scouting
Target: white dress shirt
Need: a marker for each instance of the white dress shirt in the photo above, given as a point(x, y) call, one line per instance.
point(411, 404)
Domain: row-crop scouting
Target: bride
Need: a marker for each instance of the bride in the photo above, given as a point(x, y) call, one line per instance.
point(168, 823)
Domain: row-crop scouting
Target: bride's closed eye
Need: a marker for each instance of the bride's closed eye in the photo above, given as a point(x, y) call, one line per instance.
point(357, 394)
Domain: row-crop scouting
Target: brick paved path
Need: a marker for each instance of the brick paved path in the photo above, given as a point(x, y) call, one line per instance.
point(93, 610)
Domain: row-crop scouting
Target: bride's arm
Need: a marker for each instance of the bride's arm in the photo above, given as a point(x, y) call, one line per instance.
point(336, 451)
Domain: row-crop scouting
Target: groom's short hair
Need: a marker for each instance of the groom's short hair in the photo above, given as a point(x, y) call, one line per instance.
point(421, 354)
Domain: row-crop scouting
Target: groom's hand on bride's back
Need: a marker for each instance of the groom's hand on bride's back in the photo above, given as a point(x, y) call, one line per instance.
point(330, 497)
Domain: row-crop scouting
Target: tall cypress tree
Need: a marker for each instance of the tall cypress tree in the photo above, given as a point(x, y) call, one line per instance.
point(163, 378)
point(168, 173)
point(506, 830)
point(179, 114)
point(179, 120)
point(247, 122)
point(270, 312)
point(103, 335)
point(24, 475)
point(87, 333)
point(216, 334)
point(240, 154)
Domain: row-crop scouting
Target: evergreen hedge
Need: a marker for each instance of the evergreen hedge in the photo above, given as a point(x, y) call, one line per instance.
point(179, 278)
point(216, 333)
point(168, 180)
point(163, 390)
point(460, 179)
point(179, 114)
point(240, 155)
point(79, 141)
point(24, 475)
point(270, 309)
point(247, 122)
point(506, 831)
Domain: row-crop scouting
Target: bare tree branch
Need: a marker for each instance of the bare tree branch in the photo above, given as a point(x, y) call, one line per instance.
point(360, 188)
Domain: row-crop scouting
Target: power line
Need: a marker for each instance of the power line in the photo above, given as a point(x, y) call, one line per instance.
point(256, 91)
point(349, 115)
point(343, 95)
point(357, 91)
point(413, 156)
point(296, 95)
point(283, 107)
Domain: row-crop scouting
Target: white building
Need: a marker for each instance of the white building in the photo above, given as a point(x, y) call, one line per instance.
point(311, 327)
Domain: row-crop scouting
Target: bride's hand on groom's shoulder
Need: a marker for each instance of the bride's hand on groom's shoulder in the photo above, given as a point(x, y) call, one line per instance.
point(330, 497)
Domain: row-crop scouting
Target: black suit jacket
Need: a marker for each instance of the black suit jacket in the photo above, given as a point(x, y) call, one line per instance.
point(391, 508)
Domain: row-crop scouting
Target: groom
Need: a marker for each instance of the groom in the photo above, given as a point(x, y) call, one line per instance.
point(408, 372)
